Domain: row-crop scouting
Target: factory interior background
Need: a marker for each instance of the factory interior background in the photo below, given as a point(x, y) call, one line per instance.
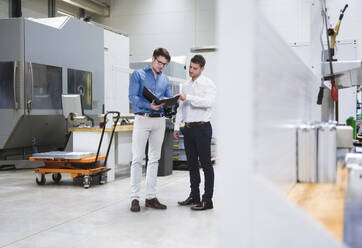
point(286, 122)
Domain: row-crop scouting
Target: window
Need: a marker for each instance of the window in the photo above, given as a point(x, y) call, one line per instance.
point(80, 82)
point(6, 85)
point(47, 87)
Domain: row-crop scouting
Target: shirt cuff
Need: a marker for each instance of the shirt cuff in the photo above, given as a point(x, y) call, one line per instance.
point(190, 97)
point(176, 127)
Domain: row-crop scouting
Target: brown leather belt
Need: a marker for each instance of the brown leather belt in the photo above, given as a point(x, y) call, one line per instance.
point(150, 115)
point(194, 124)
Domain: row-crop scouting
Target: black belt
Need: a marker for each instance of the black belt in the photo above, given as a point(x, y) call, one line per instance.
point(194, 124)
point(150, 115)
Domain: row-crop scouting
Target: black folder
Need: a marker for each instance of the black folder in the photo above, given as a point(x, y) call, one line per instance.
point(151, 97)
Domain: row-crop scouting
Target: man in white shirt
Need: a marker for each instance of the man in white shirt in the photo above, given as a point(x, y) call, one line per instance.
point(197, 99)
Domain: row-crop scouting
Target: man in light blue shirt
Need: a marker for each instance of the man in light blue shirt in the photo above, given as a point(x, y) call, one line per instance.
point(149, 125)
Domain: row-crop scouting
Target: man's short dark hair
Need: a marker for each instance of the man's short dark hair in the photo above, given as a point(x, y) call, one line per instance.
point(161, 52)
point(198, 59)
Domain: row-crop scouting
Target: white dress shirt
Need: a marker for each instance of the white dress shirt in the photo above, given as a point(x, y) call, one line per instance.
point(200, 98)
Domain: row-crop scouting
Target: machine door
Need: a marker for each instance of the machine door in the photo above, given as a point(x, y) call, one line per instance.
point(10, 94)
point(43, 88)
point(9, 86)
point(42, 125)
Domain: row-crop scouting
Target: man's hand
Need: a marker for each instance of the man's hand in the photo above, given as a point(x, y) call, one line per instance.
point(155, 107)
point(176, 134)
point(173, 96)
point(182, 97)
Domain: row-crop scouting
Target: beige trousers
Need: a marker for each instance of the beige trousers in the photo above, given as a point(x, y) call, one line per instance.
point(153, 130)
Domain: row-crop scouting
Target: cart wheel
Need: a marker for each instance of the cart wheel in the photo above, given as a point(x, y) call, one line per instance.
point(86, 182)
point(57, 177)
point(103, 178)
point(40, 179)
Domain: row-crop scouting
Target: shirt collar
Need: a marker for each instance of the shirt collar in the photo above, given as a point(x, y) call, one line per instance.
point(196, 81)
point(148, 69)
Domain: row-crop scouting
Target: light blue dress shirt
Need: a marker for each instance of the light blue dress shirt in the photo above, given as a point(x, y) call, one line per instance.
point(160, 87)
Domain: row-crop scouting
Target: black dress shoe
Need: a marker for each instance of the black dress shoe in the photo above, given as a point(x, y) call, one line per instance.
point(189, 201)
point(203, 206)
point(154, 203)
point(135, 206)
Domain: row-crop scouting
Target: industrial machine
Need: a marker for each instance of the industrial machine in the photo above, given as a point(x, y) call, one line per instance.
point(41, 59)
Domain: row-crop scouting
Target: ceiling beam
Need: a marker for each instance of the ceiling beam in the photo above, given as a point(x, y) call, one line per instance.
point(90, 6)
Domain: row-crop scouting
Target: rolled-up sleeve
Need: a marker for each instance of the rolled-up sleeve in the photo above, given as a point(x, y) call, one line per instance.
point(179, 117)
point(134, 88)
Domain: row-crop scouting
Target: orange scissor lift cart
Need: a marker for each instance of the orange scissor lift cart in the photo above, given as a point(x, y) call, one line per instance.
point(84, 165)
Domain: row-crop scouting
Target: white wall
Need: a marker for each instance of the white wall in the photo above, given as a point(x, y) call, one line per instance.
point(290, 18)
point(175, 25)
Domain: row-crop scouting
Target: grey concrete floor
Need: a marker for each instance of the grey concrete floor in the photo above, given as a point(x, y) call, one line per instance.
point(66, 215)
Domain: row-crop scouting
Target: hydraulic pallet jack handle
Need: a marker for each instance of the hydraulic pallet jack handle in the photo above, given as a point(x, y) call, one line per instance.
point(110, 141)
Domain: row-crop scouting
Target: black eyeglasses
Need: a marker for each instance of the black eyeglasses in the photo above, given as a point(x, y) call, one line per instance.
point(161, 63)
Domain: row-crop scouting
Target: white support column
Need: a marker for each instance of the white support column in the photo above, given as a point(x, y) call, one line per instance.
point(234, 117)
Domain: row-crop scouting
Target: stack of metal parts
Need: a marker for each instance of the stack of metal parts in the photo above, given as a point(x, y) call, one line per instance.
point(307, 153)
point(344, 137)
point(327, 152)
point(316, 153)
point(79, 121)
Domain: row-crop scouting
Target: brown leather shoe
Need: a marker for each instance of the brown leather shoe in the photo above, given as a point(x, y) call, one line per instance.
point(154, 203)
point(189, 201)
point(203, 206)
point(135, 206)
